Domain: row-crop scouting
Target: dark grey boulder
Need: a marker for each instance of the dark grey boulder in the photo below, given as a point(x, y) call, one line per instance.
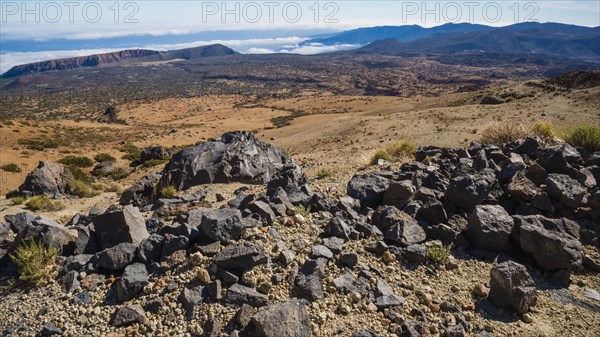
point(49, 329)
point(398, 193)
point(511, 287)
point(132, 282)
point(86, 241)
point(235, 156)
point(190, 297)
point(490, 227)
point(150, 250)
point(69, 282)
point(102, 169)
point(153, 153)
point(387, 301)
point(19, 221)
point(432, 212)
point(565, 189)
point(554, 243)
point(238, 294)
point(50, 179)
point(369, 189)
point(50, 233)
point(116, 257)
point(470, 190)
point(115, 227)
point(338, 228)
point(349, 259)
point(559, 158)
point(128, 315)
point(141, 192)
point(242, 256)
point(310, 281)
point(398, 226)
point(286, 319)
point(154, 306)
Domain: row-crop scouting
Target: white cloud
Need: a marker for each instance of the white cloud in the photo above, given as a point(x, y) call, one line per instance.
point(8, 60)
point(317, 48)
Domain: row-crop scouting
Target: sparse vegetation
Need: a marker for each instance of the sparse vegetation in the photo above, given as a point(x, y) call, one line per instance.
point(41, 143)
point(401, 150)
point(500, 133)
point(82, 188)
point(11, 167)
point(380, 154)
point(154, 162)
point(43, 203)
point(586, 136)
point(102, 157)
point(35, 262)
point(17, 200)
point(77, 161)
point(545, 131)
point(131, 151)
point(438, 253)
point(168, 191)
point(304, 211)
point(324, 173)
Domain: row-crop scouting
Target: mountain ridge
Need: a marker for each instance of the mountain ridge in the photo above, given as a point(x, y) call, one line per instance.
point(117, 58)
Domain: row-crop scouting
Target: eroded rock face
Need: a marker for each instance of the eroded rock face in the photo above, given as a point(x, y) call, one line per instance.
point(48, 179)
point(234, 157)
point(490, 227)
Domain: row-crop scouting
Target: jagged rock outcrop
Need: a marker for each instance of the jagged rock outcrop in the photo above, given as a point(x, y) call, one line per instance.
point(50, 179)
point(235, 156)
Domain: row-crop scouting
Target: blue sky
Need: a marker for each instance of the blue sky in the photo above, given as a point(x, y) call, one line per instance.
point(37, 30)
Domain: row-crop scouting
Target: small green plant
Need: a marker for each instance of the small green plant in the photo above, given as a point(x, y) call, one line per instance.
point(17, 200)
point(11, 167)
point(35, 262)
point(401, 150)
point(132, 152)
point(102, 157)
point(324, 173)
point(304, 211)
point(79, 174)
point(586, 136)
point(438, 254)
point(76, 161)
point(154, 162)
point(545, 131)
point(380, 154)
point(82, 188)
point(168, 191)
point(43, 203)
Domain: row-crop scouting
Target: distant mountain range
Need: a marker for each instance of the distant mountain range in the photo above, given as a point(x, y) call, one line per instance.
point(120, 57)
point(527, 38)
point(522, 40)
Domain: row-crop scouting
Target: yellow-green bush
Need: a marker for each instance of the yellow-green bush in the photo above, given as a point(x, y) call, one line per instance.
point(380, 154)
point(43, 203)
point(168, 191)
point(545, 131)
point(11, 167)
point(102, 157)
point(82, 188)
point(586, 136)
point(324, 173)
point(76, 161)
point(401, 150)
point(35, 262)
point(438, 254)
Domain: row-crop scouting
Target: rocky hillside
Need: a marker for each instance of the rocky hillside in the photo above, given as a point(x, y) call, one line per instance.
point(489, 240)
point(118, 57)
